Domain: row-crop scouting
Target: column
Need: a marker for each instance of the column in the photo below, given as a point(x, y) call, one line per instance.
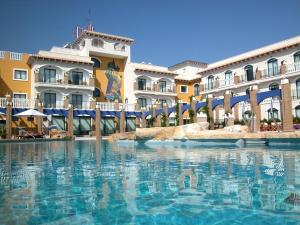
point(236, 78)
point(286, 106)
point(8, 125)
point(255, 109)
point(66, 102)
point(210, 112)
point(193, 107)
point(236, 112)
point(122, 121)
point(180, 116)
point(143, 124)
point(116, 119)
point(229, 120)
point(98, 122)
point(165, 110)
point(70, 121)
point(40, 119)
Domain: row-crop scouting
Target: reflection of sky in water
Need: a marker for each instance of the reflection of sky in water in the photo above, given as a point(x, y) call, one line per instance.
point(88, 182)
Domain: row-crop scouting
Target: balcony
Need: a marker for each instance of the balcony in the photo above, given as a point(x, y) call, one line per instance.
point(54, 105)
point(155, 89)
point(292, 68)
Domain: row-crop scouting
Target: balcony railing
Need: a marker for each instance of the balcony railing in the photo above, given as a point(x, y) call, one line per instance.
point(23, 103)
point(58, 80)
point(79, 83)
point(106, 106)
point(42, 79)
point(294, 67)
point(295, 94)
point(270, 73)
point(15, 56)
point(2, 54)
point(155, 88)
point(53, 105)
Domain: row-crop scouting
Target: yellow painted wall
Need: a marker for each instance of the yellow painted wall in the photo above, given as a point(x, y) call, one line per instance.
point(7, 84)
point(101, 79)
point(185, 97)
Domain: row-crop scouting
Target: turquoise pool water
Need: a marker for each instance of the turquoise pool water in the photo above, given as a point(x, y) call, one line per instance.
point(89, 182)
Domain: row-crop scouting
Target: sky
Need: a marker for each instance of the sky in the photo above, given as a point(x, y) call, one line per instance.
point(166, 32)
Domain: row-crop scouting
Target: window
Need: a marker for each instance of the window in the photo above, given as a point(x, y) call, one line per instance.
point(97, 63)
point(50, 100)
point(162, 86)
point(20, 74)
point(272, 67)
point(297, 60)
point(162, 102)
point(273, 86)
point(96, 93)
point(272, 114)
point(49, 75)
point(228, 75)
point(298, 88)
point(196, 90)
point(183, 89)
point(97, 43)
point(247, 115)
point(249, 73)
point(20, 96)
point(142, 102)
point(210, 82)
point(77, 101)
point(142, 84)
point(76, 78)
point(297, 111)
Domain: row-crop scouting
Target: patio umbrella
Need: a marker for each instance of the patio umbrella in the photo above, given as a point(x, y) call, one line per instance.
point(30, 113)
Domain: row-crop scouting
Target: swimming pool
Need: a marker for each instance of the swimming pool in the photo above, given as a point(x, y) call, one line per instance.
point(92, 182)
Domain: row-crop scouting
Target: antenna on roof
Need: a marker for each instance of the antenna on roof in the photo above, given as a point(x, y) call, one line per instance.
point(89, 20)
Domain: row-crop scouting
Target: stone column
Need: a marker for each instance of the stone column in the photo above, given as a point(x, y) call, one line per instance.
point(286, 106)
point(255, 108)
point(98, 122)
point(217, 111)
point(92, 81)
point(122, 121)
point(143, 124)
point(165, 109)
point(283, 68)
point(40, 119)
point(193, 107)
point(210, 111)
point(8, 125)
point(227, 97)
point(116, 119)
point(66, 102)
point(93, 103)
point(258, 74)
point(236, 112)
point(180, 104)
point(70, 121)
point(66, 78)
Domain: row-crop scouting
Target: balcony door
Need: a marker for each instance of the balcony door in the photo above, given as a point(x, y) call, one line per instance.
point(298, 88)
point(49, 75)
point(50, 100)
point(297, 61)
point(163, 86)
point(142, 84)
point(249, 73)
point(77, 101)
point(272, 67)
point(142, 102)
point(77, 78)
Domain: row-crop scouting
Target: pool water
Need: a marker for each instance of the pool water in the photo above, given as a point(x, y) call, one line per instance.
point(92, 182)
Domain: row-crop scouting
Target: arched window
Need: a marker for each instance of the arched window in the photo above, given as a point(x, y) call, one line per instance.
point(272, 114)
point(272, 67)
point(97, 63)
point(210, 82)
point(249, 72)
point(297, 111)
point(228, 76)
point(96, 93)
point(247, 115)
point(196, 90)
point(273, 86)
point(297, 60)
point(97, 43)
point(298, 89)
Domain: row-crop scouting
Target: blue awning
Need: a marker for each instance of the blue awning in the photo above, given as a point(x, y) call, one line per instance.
point(136, 114)
point(267, 94)
point(3, 110)
point(171, 109)
point(147, 113)
point(158, 112)
point(82, 112)
point(236, 99)
point(200, 105)
point(216, 102)
point(185, 107)
point(110, 114)
point(59, 112)
point(18, 110)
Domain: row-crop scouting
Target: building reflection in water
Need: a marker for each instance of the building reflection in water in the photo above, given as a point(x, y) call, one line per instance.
point(51, 181)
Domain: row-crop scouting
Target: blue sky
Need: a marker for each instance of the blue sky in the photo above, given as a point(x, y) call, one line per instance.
point(165, 31)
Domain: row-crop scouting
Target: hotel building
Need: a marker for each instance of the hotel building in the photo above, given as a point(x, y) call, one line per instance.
point(95, 72)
